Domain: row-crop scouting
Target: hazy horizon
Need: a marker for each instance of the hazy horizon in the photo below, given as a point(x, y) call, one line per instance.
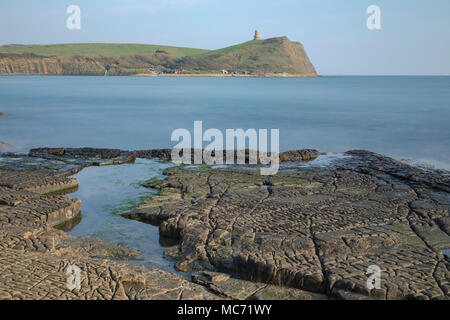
point(413, 40)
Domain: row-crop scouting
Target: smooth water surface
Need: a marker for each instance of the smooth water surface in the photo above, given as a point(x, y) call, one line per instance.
point(403, 117)
point(105, 193)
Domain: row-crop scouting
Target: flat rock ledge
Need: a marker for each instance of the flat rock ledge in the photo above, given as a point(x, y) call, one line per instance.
point(34, 257)
point(306, 233)
point(237, 289)
point(309, 228)
point(116, 156)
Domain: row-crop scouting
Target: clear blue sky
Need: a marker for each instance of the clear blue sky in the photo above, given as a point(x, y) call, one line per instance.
point(415, 35)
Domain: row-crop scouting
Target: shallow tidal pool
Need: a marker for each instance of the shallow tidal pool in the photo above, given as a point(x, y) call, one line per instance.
point(107, 192)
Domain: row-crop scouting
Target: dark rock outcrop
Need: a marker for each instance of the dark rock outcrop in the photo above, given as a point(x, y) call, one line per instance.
point(305, 233)
point(312, 229)
point(36, 259)
point(161, 154)
point(299, 155)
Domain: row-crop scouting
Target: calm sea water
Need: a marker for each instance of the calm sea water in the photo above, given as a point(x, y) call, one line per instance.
point(105, 193)
point(403, 117)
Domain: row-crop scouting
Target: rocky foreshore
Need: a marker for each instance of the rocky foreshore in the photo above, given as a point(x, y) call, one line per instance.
point(309, 232)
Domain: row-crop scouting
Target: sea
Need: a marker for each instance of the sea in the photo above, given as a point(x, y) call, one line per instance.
point(407, 118)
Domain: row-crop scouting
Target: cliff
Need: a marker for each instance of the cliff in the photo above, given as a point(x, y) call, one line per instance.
point(270, 56)
point(261, 56)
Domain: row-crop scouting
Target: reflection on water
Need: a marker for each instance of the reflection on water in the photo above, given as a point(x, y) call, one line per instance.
point(106, 193)
point(402, 117)
point(69, 224)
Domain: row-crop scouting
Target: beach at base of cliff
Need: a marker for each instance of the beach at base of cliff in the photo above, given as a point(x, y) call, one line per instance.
point(227, 75)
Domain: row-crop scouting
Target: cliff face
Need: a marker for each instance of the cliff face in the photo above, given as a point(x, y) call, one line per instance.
point(263, 56)
point(29, 64)
point(297, 54)
point(21, 64)
point(276, 55)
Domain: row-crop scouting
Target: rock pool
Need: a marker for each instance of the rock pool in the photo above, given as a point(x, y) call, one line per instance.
point(108, 191)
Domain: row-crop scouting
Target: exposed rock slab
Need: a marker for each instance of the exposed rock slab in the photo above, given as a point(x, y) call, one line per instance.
point(238, 289)
point(34, 257)
point(304, 230)
point(36, 275)
point(312, 229)
point(39, 181)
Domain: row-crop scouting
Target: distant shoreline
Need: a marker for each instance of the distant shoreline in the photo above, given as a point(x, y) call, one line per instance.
point(218, 75)
point(185, 75)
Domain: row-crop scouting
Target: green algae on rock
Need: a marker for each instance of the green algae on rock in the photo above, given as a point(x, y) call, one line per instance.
point(314, 229)
point(310, 232)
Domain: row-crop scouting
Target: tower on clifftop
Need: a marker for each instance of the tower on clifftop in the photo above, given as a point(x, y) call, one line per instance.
point(257, 35)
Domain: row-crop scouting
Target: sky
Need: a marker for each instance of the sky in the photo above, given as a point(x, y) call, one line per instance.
point(414, 38)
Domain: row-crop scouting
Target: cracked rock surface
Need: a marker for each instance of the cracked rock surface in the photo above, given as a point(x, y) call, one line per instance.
point(309, 232)
point(34, 257)
point(314, 229)
point(238, 289)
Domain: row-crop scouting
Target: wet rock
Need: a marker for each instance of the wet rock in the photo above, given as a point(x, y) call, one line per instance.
point(305, 233)
point(82, 157)
point(75, 152)
point(299, 155)
point(373, 163)
point(163, 154)
point(35, 258)
point(288, 156)
point(313, 229)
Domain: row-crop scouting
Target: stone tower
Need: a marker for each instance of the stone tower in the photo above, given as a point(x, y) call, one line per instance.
point(257, 35)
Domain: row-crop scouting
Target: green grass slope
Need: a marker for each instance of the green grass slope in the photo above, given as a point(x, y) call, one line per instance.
point(275, 55)
point(97, 49)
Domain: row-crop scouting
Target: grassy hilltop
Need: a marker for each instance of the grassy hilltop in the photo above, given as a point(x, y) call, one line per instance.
point(271, 55)
point(99, 49)
point(275, 55)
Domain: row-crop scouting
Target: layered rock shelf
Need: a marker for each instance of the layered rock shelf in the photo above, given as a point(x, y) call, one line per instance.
point(309, 232)
point(34, 256)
